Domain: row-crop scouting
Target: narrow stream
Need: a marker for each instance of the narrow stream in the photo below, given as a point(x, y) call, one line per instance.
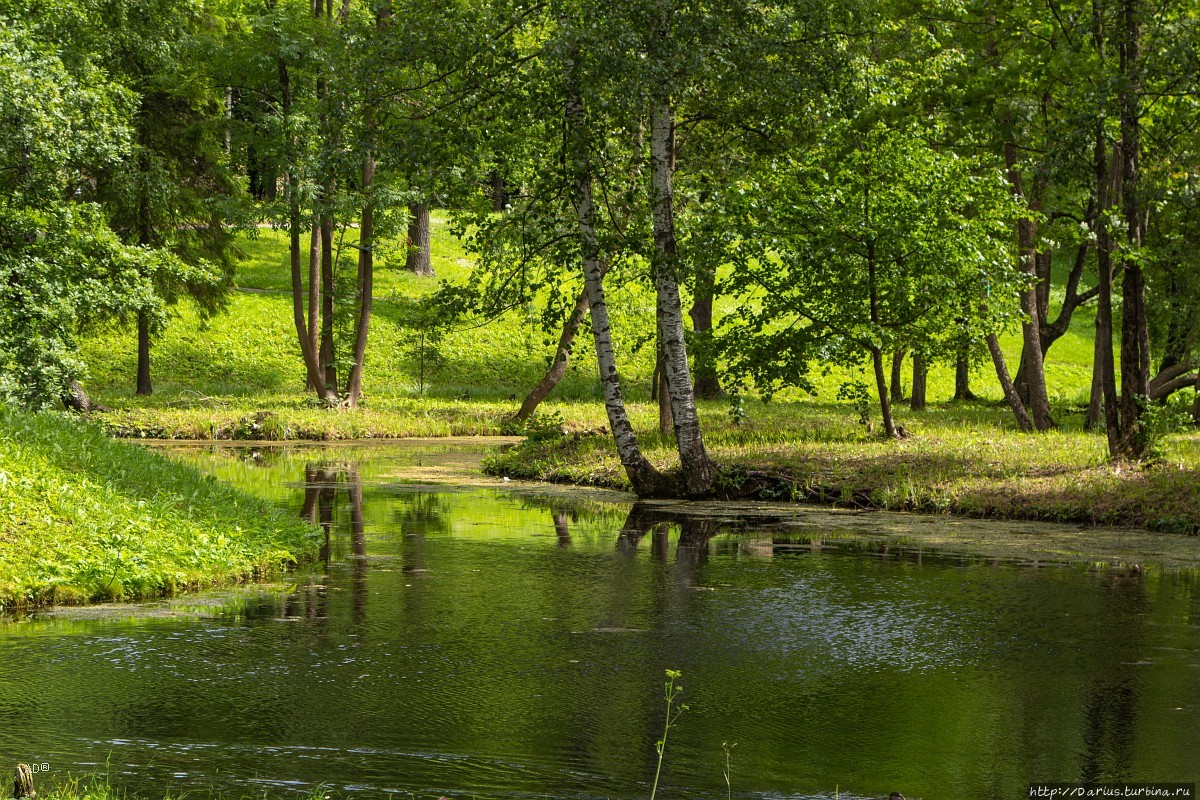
point(480, 642)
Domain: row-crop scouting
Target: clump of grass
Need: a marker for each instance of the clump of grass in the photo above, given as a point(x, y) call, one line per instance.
point(86, 518)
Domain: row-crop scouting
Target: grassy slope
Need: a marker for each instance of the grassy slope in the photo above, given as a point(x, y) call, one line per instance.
point(84, 517)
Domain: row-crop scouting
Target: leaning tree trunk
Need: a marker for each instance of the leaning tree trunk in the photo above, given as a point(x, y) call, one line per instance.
point(417, 260)
point(920, 376)
point(562, 355)
point(366, 280)
point(1010, 391)
point(144, 385)
point(644, 478)
point(708, 384)
point(699, 473)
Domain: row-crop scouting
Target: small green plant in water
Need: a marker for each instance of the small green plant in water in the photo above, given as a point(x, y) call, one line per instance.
point(671, 692)
point(728, 747)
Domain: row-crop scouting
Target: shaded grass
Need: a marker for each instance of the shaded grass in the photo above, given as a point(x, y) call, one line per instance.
point(86, 518)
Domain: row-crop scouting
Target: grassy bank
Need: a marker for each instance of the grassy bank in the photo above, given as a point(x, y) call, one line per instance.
point(86, 518)
point(962, 460)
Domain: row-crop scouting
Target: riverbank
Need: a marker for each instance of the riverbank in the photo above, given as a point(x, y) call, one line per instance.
point(947, 465)
point(85, 518)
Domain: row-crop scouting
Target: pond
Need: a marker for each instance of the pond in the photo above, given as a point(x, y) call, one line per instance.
point(467, 641)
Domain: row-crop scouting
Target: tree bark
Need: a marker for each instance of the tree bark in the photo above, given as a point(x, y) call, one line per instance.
point(499, 191)
point(417, 260)
point(897, 376)
point(920, 375)
point(708, 384)
point(144, 385)
point(366, 280)
point(1010, 391)
point(1104, 322)
point(644, 478)
point(881, 386)
point(699, 473)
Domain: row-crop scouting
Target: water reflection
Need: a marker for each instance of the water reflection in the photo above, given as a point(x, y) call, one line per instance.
point(471, 643)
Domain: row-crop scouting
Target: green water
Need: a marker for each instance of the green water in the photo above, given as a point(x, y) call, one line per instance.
point(474, 642)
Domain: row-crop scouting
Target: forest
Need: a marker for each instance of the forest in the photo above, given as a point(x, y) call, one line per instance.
point(786, 201)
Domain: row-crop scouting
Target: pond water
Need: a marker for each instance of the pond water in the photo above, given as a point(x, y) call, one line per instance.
point(479, 642)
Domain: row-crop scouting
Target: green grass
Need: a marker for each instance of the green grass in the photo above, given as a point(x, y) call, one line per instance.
point(86, 518)
point(99, 787)
point(239, 376)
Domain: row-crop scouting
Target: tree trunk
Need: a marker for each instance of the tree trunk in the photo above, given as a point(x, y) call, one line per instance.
point(293, 192)
point(1135, 350)
point(708, 384)
point(366, 280)
point(76, 399)
point(1035, 378)
point(881, 386)
point(1104, 321)
point(1196, 402)
point(920, 375)
point(562, 355)
point(314, 290)
point(144, 385)
point(1095, 412)
point(499, 191)
point(898, 376)
point(417, 260)
point(1010, 391)
point(699, 473)
point(644, 478)
point(328, 283)
point(962, 376)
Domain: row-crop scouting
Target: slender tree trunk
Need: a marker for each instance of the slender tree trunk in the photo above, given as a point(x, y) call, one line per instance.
point(881, 386)
point(417, 260)
point(1039, 402)
point(314, 290)
point(499, 191)
point(144, 385)
point(306, 350)
point(920, 375)
point(1135, 349)
point(328, 283)
point(699, 473)
point(1196, 402)
point(708, 385)
point(366, 280)
point(645, 479)
point(897, 376)
point(1095, 411)
point(558, 367)
point(1010, 391)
